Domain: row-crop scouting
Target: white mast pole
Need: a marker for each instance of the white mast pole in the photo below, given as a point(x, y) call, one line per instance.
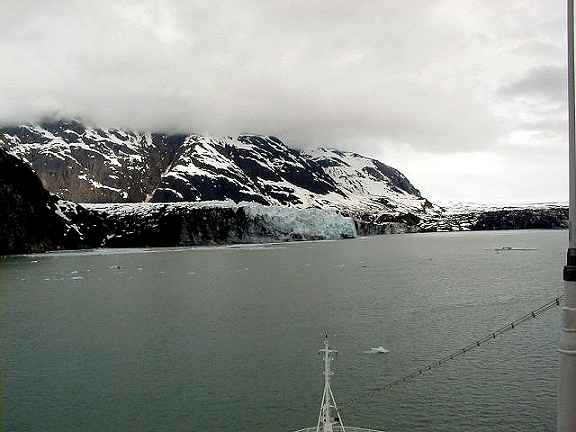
point(567, 386)
point(326, 411)
point(329, 414)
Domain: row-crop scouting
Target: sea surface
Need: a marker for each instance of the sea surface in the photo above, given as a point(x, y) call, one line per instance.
point(227, 338)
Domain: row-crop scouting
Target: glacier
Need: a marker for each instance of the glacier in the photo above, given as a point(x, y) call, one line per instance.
point(285, 224)
point(213, 222)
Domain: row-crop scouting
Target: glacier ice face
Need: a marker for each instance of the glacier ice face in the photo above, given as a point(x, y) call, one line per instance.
point(284, 223)
point(216, 222)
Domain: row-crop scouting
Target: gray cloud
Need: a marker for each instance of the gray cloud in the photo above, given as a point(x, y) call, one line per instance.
point(538, 101)
point(546, 82)
point(387, 78)
point(313, 72)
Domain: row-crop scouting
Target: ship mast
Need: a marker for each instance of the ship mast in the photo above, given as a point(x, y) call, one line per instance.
point(329, 415)
point(567, 387)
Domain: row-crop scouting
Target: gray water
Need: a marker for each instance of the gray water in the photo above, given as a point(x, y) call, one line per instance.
point(226, 339)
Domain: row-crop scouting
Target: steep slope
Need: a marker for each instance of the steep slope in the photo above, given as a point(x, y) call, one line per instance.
point(30, 220)
point(368, 186)
point(86, 164)
point(247, 168)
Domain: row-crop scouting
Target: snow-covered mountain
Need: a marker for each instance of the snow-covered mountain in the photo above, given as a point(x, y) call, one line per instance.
point(98, 165)
point(80, 163)
point(33, 220)
point(85, 164)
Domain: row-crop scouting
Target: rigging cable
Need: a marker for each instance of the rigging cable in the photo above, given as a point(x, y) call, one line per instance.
point(460, 352)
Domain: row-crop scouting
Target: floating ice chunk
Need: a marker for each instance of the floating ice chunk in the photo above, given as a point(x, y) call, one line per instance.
point(377, 350)
point(510, 248)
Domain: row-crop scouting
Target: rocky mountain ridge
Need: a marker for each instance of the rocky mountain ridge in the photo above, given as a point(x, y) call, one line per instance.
point(33, 220)
point(85, 164)
point(175, 190)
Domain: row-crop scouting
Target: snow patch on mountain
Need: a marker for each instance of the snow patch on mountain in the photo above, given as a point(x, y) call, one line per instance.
point(86, 164)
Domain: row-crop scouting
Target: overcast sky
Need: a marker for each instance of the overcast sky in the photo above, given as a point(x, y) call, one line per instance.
point(466, 97)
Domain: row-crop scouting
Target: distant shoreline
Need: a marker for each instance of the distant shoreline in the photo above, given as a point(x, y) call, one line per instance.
point(228, 246)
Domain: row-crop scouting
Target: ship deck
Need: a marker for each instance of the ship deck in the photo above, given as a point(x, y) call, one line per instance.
point(339, 429)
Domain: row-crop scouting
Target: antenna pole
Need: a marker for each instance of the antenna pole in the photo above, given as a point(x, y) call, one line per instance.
point(325, 416)
point(567, 386)
point(327, 402)
point(329, 414)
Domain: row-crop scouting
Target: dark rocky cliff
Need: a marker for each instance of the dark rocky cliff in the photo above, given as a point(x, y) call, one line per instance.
point(29, 217)
point(549, 218)
point(214, 223)
point(508, 218)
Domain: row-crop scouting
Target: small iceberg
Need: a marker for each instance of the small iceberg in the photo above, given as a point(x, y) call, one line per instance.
point(510, 248)
point(377, 350)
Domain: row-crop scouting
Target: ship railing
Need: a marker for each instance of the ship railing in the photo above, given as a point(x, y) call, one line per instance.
point(339, 429)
